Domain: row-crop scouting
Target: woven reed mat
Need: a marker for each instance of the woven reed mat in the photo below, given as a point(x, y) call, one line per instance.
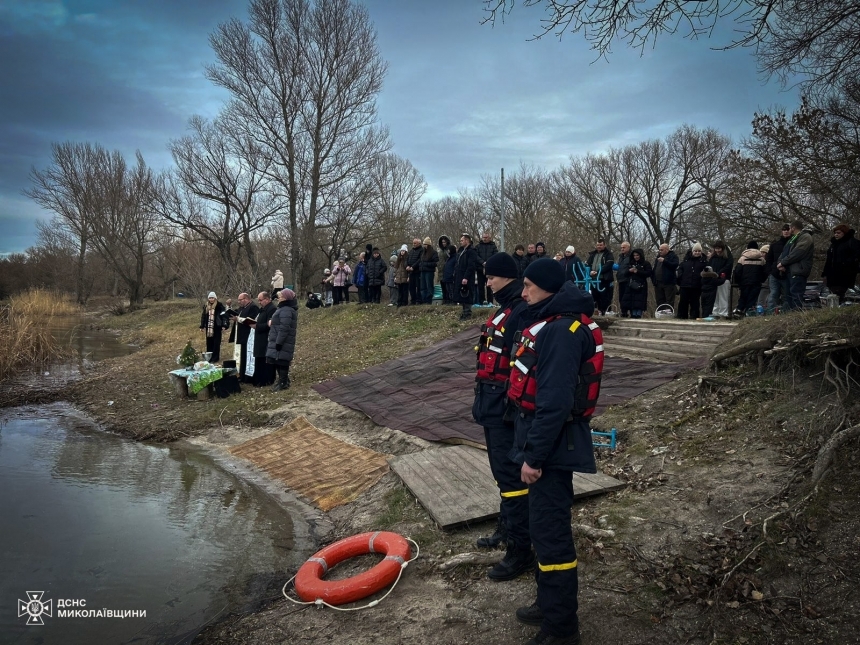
point(327, 471)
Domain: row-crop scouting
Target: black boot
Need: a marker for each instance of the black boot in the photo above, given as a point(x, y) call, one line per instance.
point(499, 536)
point(542, 638)
point(531, 615)
point(515, 563)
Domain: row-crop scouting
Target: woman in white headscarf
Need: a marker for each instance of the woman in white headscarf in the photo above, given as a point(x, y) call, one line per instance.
point(211, 324)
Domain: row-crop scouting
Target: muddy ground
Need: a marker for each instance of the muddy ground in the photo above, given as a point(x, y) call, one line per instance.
point(688, 563)
point(719, 536)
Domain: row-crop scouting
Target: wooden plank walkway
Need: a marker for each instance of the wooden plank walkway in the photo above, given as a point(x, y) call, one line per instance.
point(456, 486)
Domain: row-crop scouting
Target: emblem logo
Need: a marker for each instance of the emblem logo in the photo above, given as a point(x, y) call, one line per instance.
point(34, 608)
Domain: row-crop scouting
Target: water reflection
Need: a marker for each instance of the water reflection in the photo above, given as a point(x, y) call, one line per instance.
point(127, 526)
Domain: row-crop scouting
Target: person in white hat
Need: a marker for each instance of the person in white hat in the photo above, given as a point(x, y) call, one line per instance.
point(211, 324)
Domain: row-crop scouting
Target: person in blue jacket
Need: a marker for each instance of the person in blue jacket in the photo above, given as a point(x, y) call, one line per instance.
point(491, 403)
point(555, 381)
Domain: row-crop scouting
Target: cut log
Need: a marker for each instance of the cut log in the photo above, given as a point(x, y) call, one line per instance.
point(752, 346)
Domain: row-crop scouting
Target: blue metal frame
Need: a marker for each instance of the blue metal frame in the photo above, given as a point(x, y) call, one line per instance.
point(610, 435)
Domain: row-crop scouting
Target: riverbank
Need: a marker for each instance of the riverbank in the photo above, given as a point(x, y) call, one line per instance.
point(718, 538)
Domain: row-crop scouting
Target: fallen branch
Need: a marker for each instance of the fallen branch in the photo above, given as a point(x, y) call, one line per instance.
point(591, 532)
point(472, 558)
point(751, 346)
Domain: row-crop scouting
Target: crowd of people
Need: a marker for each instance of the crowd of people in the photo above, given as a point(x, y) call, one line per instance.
point(696, 286)
point(264, 334)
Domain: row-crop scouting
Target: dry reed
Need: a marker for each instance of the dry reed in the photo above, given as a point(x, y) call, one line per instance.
point(25, 335)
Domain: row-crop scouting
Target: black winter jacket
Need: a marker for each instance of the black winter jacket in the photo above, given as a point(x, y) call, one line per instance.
point(750, 271)
point(485, 250)
point(374, 272)
point(413, 258)
point(491, 399)
point(282, 333)
point(843, 261)
point(542, 439)
point(722, 264)
point(522, 262)
point(690, 271)
point(429, 263)
point(605, 272)
point(465, 269)
point(771, 258)
point(636, 294)
point(261, 331)
point(667, 269)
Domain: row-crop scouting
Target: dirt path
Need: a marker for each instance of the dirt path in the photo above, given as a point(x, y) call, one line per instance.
point(684, 566)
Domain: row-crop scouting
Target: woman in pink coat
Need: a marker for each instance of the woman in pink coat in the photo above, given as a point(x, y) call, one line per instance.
point(341, 280)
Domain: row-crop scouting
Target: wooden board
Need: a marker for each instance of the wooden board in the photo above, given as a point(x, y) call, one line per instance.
point(456, 486)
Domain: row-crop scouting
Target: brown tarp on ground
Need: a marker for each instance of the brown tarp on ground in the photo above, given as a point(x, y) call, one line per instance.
point(327, 471)
point(429, 393)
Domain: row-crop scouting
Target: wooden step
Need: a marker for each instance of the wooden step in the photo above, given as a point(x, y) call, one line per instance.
point(669, 333)
point(661, 346)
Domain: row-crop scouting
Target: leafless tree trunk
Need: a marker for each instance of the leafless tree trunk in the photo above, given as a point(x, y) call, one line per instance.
point(304, 81)
point(67, 188)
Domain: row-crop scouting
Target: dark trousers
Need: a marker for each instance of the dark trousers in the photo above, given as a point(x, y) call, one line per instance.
point(550, 500)
point(447, 292)
point(479, 291)
point(749, 297)
point(602, 296)
point(688, 303)
point(264, 374)
point(283, 374)
point(427, 286)
point(514, 507)
point(213, 344)
point(796, 289)
point(709, 297)
point(374, 294)
point(622, 289)
point(665, 294)
point(339, 295)
point(415, 287)
point(403, 294)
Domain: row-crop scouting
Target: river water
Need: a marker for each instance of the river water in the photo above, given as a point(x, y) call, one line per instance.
point(116, 525)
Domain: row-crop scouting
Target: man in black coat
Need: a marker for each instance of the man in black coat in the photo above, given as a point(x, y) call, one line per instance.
point(776, 280)
point(555, 383)
point(491, 403)
point(486, 249)
point(843, 261)
point(664, 276)
point(599, 265)
point(465, 275)
point(264, 374)
point(413, 268)
point(245, 316)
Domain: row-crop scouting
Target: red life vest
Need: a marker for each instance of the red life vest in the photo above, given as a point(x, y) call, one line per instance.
point(494, 357)
point(522, 388)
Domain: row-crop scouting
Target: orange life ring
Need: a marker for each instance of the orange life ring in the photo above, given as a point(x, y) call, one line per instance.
point(311, 587)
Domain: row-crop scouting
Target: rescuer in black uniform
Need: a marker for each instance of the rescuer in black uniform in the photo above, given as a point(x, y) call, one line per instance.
point(555, 381)
point(491, 401)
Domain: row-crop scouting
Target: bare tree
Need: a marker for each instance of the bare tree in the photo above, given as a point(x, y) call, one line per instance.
point(588, 195)
point(527, 204)
point(124, 220)
point(815, 39)
point(68, 189)
point(219, 189)
point(304, 80)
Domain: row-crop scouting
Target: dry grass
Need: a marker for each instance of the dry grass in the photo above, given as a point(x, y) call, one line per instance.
point(24, 329)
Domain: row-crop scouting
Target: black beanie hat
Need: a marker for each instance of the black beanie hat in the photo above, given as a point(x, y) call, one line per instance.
point(546, 273)
point(501, 265)
point(752, 244)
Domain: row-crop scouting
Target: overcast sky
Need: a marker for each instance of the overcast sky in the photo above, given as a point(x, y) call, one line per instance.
point(461, 100)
